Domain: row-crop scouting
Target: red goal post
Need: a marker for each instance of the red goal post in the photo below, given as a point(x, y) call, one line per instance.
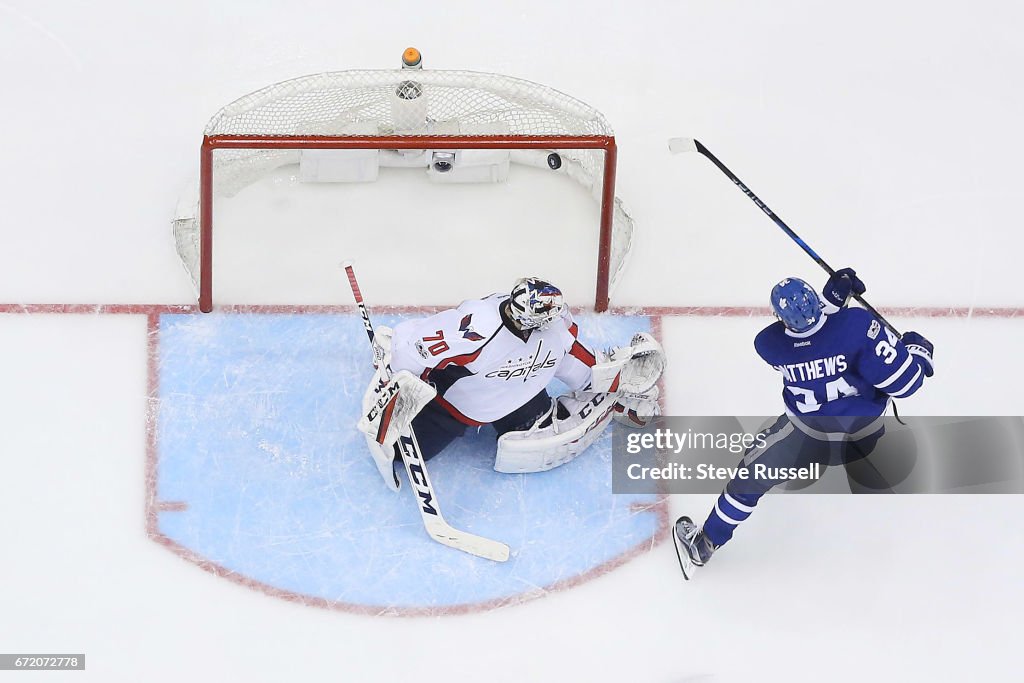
point(373, 110)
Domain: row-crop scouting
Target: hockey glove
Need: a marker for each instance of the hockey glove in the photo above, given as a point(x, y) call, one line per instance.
point(382, 345)
point(632, 369)
point(922, 349)
point(840, 286)
point(637, 410)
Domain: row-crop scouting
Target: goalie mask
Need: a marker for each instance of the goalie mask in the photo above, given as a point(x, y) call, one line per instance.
point(535, 303)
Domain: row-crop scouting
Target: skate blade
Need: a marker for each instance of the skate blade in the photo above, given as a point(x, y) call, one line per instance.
point(685, 563)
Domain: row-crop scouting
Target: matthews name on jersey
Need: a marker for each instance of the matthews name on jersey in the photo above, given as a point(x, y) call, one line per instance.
point(482, 365)
point(848, 365)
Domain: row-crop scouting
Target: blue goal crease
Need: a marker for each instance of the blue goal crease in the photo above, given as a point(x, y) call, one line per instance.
point(256, 435)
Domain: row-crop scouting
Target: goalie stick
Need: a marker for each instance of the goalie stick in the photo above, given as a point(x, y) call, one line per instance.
point(416, 469)
point(680, 145)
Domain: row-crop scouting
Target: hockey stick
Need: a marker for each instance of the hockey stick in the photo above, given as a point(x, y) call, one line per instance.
point(679, 145)
point(416, 469)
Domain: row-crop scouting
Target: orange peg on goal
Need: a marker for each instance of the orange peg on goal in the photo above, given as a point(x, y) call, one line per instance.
point(411, 58)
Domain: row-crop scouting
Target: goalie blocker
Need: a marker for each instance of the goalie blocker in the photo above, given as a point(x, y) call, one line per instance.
point(389, 407)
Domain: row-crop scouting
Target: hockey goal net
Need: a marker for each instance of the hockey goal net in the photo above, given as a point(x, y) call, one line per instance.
point(460, 126)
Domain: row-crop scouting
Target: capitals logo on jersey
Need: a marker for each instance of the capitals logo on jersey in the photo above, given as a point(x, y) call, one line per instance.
point(467, 329)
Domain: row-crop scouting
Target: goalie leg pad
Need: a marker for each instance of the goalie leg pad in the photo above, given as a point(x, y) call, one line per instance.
point(552, 441)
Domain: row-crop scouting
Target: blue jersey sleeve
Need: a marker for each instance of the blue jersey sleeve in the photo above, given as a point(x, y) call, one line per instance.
point(884, 360)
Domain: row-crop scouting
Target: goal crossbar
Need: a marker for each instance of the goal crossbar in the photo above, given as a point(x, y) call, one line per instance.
point(211, 143)
point(326, 124)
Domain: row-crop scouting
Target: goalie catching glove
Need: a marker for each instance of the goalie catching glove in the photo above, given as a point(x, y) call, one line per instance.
point(636, 410)
point(633, 369)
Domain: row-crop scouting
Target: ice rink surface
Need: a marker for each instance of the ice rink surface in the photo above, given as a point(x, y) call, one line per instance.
point(884, 133)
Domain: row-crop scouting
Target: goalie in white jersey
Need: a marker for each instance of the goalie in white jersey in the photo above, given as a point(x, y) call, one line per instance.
point(489, 362)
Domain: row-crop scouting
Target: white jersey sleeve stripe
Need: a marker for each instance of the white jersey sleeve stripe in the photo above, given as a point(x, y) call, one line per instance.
point(724, 517)
point(896, 375)
point(736, 504)
point(909, 385)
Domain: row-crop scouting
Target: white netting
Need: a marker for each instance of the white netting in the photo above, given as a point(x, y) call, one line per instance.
point(323, 104)
point(407, 103)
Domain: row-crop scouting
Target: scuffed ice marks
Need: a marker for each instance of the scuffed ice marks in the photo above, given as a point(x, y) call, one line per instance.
point(256, 435)
point(296, 464)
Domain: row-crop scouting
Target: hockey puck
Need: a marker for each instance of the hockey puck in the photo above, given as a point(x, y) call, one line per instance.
point(554, 161)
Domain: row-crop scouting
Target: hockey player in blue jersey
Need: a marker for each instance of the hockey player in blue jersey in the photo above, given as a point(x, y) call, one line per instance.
point(840, 368)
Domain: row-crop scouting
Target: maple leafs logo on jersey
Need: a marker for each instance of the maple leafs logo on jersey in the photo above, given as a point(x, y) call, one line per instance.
point(467, 329)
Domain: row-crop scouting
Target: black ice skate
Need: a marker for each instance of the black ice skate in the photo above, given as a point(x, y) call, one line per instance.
point(693, 548)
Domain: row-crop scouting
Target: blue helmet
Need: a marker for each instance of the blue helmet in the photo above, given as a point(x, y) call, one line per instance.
point(796, 304)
